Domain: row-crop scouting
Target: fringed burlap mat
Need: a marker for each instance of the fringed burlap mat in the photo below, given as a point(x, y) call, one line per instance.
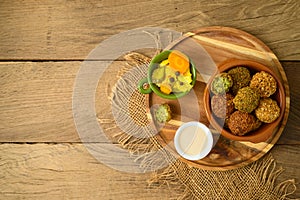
point(129, 108)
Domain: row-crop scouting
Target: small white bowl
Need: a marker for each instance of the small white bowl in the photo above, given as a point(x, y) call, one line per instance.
point(193, 140)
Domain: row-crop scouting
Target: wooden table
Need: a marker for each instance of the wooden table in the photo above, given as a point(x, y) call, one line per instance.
point(42, 45)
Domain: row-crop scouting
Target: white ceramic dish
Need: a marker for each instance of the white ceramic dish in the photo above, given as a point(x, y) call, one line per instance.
point(193, 140)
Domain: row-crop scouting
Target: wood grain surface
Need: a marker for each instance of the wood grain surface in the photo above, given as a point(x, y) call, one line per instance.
point(42, 46)
point(67, 171)
point(67, 30)
point(36, 102)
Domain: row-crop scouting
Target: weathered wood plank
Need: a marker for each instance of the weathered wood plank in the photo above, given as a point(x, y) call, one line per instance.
point(36, 101)
point(63, 29)
point(67, 171)
point(292, 70)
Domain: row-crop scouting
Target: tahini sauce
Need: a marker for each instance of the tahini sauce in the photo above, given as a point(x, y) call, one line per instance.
point(192, 140)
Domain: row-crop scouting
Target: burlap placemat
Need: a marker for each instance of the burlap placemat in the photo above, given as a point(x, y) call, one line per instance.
point(129, 108)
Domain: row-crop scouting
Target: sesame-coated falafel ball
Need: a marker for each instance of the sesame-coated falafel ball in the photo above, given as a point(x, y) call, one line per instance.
point(264, 82)
point(267, 110)
point(246, 100)
point(241, 78)
point(222, 105)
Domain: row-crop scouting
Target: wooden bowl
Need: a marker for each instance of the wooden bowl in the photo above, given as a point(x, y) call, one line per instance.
point(265, 131)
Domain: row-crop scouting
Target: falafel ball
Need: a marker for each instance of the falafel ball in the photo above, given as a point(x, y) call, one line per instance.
point(241, 123)
point(246, 100)
point(267, 110)
point(222, 105)
point(264, 82)
point(163, 113)
point(221, 83)
point(241, 78)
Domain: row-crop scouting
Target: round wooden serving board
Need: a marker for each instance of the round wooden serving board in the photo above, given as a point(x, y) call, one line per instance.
point(221, 44)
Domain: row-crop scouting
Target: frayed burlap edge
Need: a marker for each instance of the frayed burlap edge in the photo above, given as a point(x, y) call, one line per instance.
point(257, 181)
